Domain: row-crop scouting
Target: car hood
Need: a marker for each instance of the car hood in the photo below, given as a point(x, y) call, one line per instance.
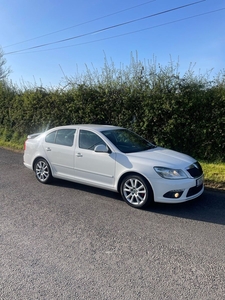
point(162, 157)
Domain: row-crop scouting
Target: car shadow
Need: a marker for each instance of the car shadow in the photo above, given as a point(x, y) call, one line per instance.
point(86, 188)
point(209, 207)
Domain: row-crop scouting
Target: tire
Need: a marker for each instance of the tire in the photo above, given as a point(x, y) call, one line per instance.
point(42, 171)
point(136, 191)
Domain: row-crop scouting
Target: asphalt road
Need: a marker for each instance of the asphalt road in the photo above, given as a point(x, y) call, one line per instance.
point(68, 241)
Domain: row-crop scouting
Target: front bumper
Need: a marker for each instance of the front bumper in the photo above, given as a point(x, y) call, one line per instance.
point(177, 191)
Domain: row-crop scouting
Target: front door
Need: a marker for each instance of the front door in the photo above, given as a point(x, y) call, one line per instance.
point(97, 168)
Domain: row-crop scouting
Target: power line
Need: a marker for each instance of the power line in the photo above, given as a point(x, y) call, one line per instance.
point(107, 28)
point(131, 32)
point(83, 23)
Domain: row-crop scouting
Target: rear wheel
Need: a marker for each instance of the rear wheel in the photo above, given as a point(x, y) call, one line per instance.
point(42, 171)
point(136, 191)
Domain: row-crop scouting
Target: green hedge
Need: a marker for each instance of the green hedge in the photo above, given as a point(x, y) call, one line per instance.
point(186, 113)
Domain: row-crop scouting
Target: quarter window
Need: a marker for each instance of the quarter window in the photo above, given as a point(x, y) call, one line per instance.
point(50, 138)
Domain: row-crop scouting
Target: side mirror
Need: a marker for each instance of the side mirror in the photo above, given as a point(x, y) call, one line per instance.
point(101, 148)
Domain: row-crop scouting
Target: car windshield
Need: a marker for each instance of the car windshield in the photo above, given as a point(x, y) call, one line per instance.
point(127, 141)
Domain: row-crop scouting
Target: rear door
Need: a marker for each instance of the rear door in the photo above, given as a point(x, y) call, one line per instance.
point(59, 149)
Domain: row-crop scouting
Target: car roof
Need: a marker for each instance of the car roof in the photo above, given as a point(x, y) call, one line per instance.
point(96, 127)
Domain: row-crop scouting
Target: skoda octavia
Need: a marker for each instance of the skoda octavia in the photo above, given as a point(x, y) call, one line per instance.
point(116, 159)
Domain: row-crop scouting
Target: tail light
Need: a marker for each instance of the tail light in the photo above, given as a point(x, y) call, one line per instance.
point(24, 146)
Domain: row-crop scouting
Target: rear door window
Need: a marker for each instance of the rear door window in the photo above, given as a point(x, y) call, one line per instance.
point(63, 137)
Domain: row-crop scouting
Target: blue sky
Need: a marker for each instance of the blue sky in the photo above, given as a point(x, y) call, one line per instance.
point(190, 35)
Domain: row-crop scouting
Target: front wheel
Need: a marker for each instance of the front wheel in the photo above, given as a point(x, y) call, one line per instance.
point(136, 191)
point(42, 171)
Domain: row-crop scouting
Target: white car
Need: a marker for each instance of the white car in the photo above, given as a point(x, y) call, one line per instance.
point(116, 159)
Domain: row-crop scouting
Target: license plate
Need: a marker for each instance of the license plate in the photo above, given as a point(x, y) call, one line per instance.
point(199, 181)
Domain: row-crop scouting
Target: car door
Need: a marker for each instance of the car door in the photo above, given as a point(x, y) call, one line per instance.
point(59, 149)
point(91, 167)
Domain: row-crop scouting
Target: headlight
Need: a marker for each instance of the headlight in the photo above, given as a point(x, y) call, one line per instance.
point(170, 173)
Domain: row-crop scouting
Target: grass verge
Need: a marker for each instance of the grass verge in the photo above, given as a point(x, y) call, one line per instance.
point(214, 173)
point(11, 145)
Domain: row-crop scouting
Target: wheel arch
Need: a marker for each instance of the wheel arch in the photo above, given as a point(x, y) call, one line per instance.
point(40, 157)
point(138, 174)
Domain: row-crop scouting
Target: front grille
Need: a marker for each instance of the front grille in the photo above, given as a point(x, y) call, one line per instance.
point(195, 170)
point(194, 190)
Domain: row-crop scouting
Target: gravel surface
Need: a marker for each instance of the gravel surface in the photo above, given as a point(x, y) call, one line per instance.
point(68, 241)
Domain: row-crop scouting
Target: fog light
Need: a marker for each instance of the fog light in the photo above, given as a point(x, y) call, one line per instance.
point(173, 194)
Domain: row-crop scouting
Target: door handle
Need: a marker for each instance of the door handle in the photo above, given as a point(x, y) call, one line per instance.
point(48, 149)
point(79, 154)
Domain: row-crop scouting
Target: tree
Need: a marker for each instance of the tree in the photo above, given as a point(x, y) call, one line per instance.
point(4, 71)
